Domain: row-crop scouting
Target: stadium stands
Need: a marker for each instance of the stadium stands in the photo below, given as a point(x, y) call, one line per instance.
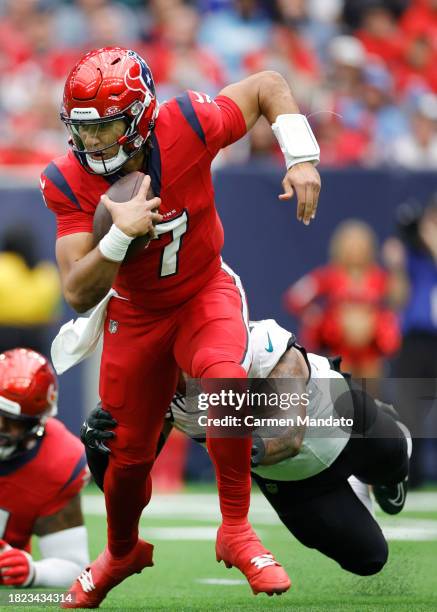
point(361, 70)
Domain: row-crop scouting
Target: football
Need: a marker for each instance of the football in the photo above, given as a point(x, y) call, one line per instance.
point(122, 190)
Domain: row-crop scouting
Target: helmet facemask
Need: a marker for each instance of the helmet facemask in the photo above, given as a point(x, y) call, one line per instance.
point(15, 444)
point(105, 144)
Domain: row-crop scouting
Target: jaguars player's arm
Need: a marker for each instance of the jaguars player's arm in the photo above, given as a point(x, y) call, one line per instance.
point(268, 94)
point(288, 440)
point(63, 545)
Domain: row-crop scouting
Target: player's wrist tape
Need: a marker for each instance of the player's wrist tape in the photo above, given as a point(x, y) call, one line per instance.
point(296, 139)
point(114, 244)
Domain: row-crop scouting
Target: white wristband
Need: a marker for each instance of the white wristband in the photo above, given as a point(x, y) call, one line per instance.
point(114, 244)
point(296, 139)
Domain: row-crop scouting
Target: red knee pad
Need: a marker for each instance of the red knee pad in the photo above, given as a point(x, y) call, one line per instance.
point(128, 448)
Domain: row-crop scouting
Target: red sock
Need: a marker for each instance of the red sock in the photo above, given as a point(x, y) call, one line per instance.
point(128, 490)
point(230, 456)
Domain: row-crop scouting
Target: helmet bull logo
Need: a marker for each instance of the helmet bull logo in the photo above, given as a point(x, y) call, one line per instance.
point(139, 77)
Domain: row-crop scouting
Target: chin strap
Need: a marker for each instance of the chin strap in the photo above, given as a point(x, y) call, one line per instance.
point(107, 166)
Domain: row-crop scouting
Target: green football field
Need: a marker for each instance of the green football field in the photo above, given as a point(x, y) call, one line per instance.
point(187, 577)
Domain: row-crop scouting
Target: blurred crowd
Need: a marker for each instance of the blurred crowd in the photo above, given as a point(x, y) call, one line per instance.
point(364, 71)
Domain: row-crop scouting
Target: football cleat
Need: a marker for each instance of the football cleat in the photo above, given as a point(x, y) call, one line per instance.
point(239, 546)
point(391, 499)
point(105, 573)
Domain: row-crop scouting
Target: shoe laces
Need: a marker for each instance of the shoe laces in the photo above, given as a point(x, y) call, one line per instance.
point(86, 580)
point(264, 560)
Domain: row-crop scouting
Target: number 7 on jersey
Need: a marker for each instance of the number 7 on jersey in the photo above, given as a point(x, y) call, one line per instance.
point(170, 254)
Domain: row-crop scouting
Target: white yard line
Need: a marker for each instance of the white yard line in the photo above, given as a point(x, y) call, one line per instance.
point(204, 506)
point(401, 530)
point(191, 506)
point(221, 581)
point(189, 534)
point(415, 530)
point(175, 534)
point(421, 502)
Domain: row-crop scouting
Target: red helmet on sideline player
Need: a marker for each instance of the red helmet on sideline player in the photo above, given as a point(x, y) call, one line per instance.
point(110, 91)
point(28, 397)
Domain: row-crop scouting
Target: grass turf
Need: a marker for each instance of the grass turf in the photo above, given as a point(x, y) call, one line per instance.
point(407, 583)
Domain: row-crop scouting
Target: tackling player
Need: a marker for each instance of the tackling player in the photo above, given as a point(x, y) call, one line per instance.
point(42, 471)
point(178, 305)
point(307, 475)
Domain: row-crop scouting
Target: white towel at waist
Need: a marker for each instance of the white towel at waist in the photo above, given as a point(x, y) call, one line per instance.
point(78, 338)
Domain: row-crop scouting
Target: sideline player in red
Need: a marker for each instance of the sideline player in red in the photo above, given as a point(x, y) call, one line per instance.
point(42, 470)
point(177, 304)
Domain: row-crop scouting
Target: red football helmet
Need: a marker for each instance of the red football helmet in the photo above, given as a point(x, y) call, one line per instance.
point(28, 396)
point(109, 100)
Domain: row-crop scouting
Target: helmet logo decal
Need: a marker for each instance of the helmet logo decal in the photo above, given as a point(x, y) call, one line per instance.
point(112, 110)
point(139, 77)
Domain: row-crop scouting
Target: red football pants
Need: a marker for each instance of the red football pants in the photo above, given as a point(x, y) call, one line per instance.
point(207, 337)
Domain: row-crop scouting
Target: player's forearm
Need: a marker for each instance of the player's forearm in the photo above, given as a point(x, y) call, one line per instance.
point(293, 369)
point(55, 573)
point(89, 280)
point(278, 449)
point(274, 96)
point(65, 554)
point(288, 442)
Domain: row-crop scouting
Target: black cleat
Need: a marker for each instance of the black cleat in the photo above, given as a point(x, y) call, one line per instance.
point(391, 499)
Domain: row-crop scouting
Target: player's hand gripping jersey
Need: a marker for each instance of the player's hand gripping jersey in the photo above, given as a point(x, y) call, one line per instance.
point(189, 132)
point(40, 482)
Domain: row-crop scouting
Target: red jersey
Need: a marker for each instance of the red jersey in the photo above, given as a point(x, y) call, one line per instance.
point(420, 21)
point(333, 284)
point(40, 482)
point(189, 132)
point(323, 327)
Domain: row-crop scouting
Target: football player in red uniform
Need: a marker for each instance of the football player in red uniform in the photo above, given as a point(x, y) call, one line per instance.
point(177, 304)
point(42, 470)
